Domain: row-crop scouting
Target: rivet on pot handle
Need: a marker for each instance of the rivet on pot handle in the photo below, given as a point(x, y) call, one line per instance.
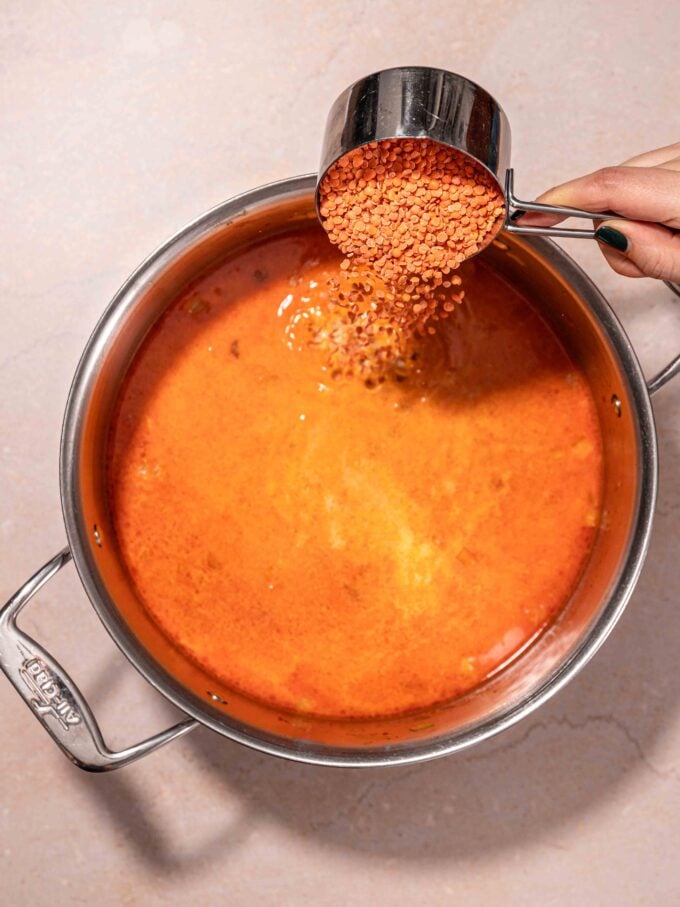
point(673, 367)
point(53, 697)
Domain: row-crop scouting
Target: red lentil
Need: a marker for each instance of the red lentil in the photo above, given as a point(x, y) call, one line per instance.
point(405, 213)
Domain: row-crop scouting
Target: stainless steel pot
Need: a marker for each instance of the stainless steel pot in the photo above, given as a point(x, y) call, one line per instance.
point(596, 340)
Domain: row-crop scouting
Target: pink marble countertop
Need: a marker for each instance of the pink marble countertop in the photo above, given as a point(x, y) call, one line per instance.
point(120, 122)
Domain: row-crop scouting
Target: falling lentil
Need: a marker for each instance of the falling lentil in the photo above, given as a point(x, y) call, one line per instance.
point(405, 214)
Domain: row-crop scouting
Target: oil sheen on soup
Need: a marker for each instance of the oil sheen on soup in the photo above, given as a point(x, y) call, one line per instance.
point(336, 549)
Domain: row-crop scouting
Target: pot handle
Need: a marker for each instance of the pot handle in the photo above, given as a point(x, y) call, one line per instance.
point(673, 367)
point(664, 376)
point(53, 697)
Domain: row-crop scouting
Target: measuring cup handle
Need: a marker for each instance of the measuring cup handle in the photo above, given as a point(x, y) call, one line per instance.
point(512, 202)
point(53, 697)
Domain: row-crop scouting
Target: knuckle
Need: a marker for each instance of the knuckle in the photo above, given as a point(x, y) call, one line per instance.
point(608, 179)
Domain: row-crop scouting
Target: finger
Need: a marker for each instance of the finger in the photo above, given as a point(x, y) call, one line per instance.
point(651, 248)
point(642, 193)
point(651, 158)
point(618, 262)
point(654, 158)
point(671, 164)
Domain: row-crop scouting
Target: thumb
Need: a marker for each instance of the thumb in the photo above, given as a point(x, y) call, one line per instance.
point(638, 249)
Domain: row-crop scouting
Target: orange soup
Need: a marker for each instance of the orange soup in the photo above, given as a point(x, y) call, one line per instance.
point(338, 549)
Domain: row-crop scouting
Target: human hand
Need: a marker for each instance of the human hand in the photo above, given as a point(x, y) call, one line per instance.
point(645, 189)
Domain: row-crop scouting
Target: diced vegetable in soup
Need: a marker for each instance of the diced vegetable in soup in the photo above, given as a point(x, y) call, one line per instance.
point(342, 549)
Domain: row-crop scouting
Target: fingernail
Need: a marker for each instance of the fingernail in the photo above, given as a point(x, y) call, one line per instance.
point(613, 238)
point(517, 214)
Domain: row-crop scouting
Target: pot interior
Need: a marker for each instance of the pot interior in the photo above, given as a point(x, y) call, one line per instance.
point(589, 331)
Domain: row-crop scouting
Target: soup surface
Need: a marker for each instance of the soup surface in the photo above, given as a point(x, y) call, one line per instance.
point(337, 549)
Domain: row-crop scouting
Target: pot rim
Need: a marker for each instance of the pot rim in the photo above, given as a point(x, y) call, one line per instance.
point(419, 750)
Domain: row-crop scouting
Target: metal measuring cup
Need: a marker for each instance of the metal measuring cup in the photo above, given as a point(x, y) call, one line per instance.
point(417, 102)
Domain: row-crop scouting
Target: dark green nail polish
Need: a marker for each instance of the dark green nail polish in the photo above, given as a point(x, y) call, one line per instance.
point(613, 238)
point(517, 214)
